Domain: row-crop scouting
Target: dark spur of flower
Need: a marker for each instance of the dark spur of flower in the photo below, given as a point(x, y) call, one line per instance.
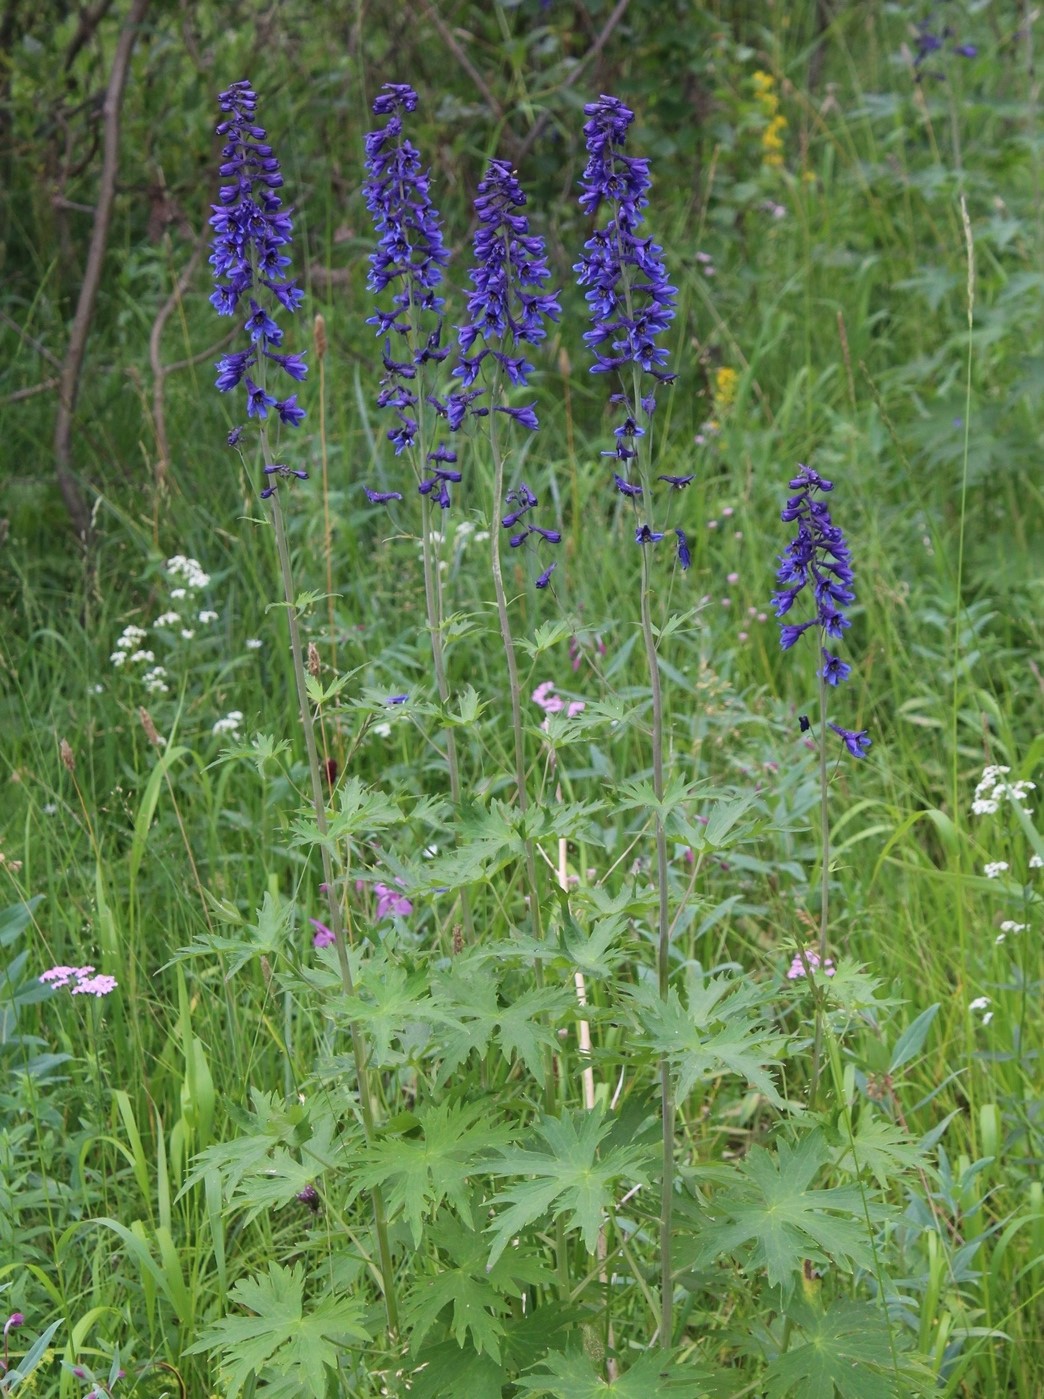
point(627, 488)
point(857, 741)
point(251, 229)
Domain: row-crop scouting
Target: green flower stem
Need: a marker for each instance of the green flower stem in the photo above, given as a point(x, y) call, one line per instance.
point(336, 925)
point(824, 885)
point(662, 963)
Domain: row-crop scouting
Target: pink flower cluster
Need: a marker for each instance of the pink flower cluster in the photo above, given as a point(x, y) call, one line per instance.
point(797, 966)
point(81, 981)
point(544, 695)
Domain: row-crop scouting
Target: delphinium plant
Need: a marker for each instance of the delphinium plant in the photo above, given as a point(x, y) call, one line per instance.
point(251, 234)
point(818, 559)
point(632, 304)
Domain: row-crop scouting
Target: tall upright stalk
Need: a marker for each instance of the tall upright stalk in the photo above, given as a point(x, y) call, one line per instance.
point(366, 1109)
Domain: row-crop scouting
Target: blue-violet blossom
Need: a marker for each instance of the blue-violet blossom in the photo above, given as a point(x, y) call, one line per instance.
point(631, 299)
point(817, 555)
point(410, 257)
point(251, 230)
point(507, 309)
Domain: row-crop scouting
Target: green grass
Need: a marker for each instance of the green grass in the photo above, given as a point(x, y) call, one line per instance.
point(152, 1144)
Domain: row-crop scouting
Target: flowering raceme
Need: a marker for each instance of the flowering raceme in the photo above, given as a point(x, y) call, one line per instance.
point(818, 554)
point(251, 229)
point(630, 298)
point(409, 256)
point(507, 309)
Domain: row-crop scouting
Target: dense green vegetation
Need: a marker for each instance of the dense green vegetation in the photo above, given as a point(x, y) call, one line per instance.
point(391, 1165)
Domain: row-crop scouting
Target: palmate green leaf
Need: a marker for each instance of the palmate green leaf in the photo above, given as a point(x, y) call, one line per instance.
point(447, 1372)
point(265, 938)
point(720, 1030)
point(290, 1347)
point(881, 1147)
point(361, 810)
point(418, 1173)
point(844, 1352)
point(570, 1178)
point(574, 1376)
point(272, 1123)
point(479, 1297)
point(468, 1000)
point(388, 1003)
point(773, 1217)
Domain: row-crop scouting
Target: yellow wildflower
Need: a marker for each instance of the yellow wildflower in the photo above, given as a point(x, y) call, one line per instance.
point(726, 382)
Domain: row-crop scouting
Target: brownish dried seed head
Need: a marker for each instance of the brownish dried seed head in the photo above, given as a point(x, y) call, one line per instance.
point(66, 755)
point(565, 366)
point(266, 970)
point(149, 726)
point(458, 940)
point(319, 332)
point(314, 664)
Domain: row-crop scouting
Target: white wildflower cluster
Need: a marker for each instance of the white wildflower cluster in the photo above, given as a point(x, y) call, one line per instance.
point(187, 572)
point(1009, 926)
point(128, 647)
point(994, 788)
point(156, 681)
point(995, 869)
point(230, 723)
point(1036, 862)
point(981, 1003)
point(207, 616)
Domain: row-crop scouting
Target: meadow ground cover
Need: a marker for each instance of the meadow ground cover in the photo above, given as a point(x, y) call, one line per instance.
point(461, 935)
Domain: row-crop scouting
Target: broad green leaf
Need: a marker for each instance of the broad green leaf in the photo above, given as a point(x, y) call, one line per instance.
point(293, 1348)
point(446, 1372)
point(774, 1219)
point(418, 1172)
point(881, 1147)
point(480, 1297)
point(913, 1037)
point(573, 1375)
point(570, 1178)
point(846, 1351)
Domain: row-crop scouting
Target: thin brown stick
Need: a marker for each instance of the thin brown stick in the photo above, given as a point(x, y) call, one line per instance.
point(72, 367)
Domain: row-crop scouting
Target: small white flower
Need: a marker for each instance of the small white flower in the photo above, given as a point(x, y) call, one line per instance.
point(381, 730)
point(187, 633)
point(207, 616)
point(98, 689)
point(188, 570)
point(178, 593)
point(253, 643)
point(430, 851)
point(482, 536)
point(168, 619)
point(995, 868)
point(230, 723)
point(142, 656)
point(49, 808)
point(155, 681)
point(987, 1017)
point(1036, 862)
point(979, 1003)
point(117, 658)
point(1010, 926)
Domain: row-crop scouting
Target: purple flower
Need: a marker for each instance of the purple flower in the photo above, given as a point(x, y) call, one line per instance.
point(684, 556)
point(627, 488)
point(630, 298)
point(289, 412)
point(508, 305)
point(678, 482)
point(381, 497)
point(545, 577)
point(525, 417)
point(322, 937)
point(408, 260)
point(856, 741)
point(817, 555)
point(251, 229)
point(390, 903)
point(646, 535)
